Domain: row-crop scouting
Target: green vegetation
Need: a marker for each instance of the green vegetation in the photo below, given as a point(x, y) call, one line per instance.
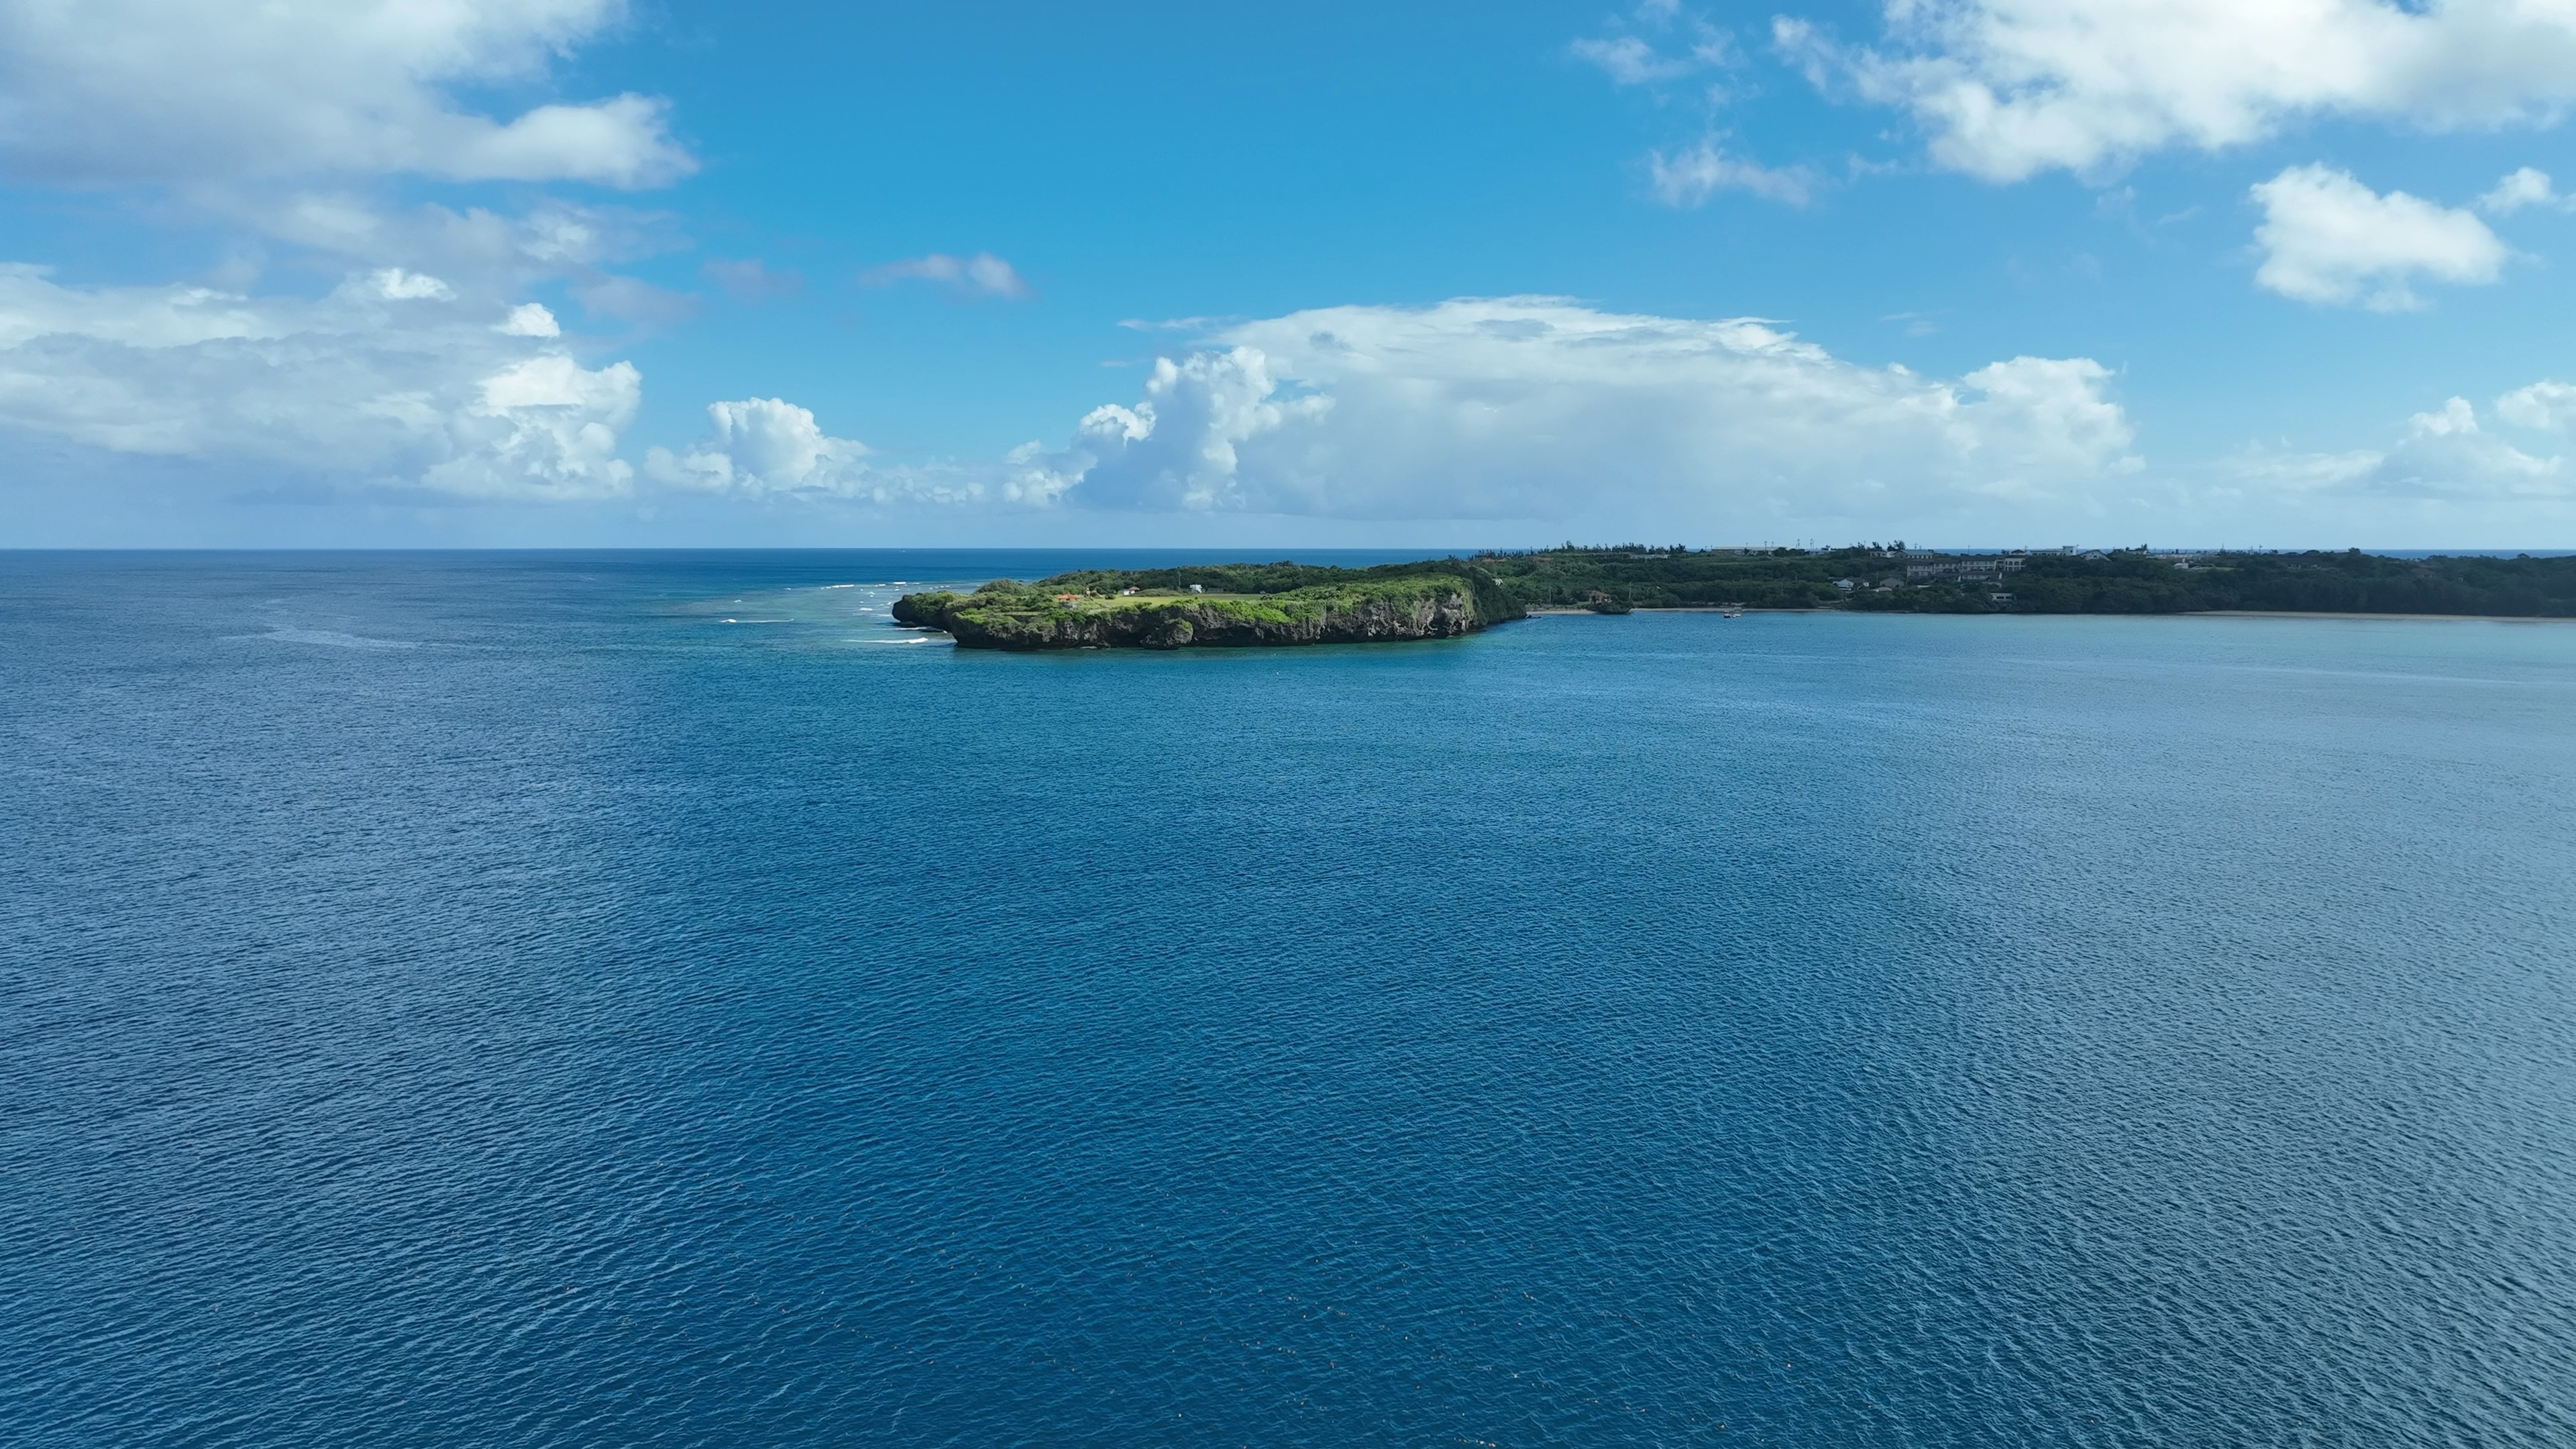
point(1283, 577)
point(1669, 578)
point(1278, 603)
point(1291, 603)
point(2130, 581)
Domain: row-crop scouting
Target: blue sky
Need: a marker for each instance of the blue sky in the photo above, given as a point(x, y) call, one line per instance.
point(2281, 272)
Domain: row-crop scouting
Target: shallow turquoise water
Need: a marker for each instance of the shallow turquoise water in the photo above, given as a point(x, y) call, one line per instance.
point(495, 1000)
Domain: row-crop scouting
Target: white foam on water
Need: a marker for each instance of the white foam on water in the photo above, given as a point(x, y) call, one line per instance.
point(330, 638)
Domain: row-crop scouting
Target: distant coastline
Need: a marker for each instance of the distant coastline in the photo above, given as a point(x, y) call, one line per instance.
point(2389, 618)
point(1896, 579)
point(1565, 612)
point(1288, 603)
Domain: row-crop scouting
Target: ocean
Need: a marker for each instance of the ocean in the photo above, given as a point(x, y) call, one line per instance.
point(647, 999)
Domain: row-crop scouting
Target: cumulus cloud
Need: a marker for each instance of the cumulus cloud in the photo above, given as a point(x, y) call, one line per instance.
point(396, 285)
point(1539, 407)
point(1689, 178)
point(543, 427)
point(2329, 239)
point(767, 447)
point(1178, 447)
point(981, 275)
point(2009, 88)
point(387, 382)
point(2523, 188)
point(481, 255)
point(531, 319)
point(178, 91)
point(425, 372)
point(2445, 456)
point(297, 120)
point(2548, 405)
point(762, 445)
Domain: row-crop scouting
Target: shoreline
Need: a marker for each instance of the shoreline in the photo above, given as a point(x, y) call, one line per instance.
point(2416, 618)
point(1534, 612)
point(2178, 614)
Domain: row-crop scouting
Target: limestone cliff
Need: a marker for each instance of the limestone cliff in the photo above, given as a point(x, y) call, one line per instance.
point(1020, 617)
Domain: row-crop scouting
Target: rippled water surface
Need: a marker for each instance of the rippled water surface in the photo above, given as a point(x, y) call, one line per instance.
point(649, 1000)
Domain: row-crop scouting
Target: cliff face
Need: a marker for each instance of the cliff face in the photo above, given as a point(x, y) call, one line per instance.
point(979, 624)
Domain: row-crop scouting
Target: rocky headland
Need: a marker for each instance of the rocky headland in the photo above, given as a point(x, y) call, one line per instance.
point(1160, 609)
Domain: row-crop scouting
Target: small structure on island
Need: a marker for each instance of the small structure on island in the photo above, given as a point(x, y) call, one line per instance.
point(1936, 568)
point(1198, 588)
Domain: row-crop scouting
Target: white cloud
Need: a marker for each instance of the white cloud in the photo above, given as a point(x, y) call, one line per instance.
point(396, 285)
point(617, 142)
point(981, 275)
point(1177, 448)
point(1629, 61)
point(479, 255)
point(2524, 187)
point(1540, 408)
point(553, 238)
point(1689, 178)
point(1632, 60)
point(2443, 457)
point(2547, 404)
point(373, 386)
point(771, 448)
point(762, 445)
point(204, 95)
point(2009, 88)
point(542, 428)
point(2329, 239)
point(2446, 454)
point(531, 319)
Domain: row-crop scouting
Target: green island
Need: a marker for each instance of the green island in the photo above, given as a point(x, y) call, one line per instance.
point(1239, 604)
point(1292, 603)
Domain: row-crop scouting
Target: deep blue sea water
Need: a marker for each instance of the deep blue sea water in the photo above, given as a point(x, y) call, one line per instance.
point(646, 999)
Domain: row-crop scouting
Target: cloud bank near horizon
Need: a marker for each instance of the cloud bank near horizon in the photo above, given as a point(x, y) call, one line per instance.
point(1539, 407)
point(1515, 408)
point(1515, 412)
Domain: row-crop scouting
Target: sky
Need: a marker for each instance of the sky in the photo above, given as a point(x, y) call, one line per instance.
point(1975, 273)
